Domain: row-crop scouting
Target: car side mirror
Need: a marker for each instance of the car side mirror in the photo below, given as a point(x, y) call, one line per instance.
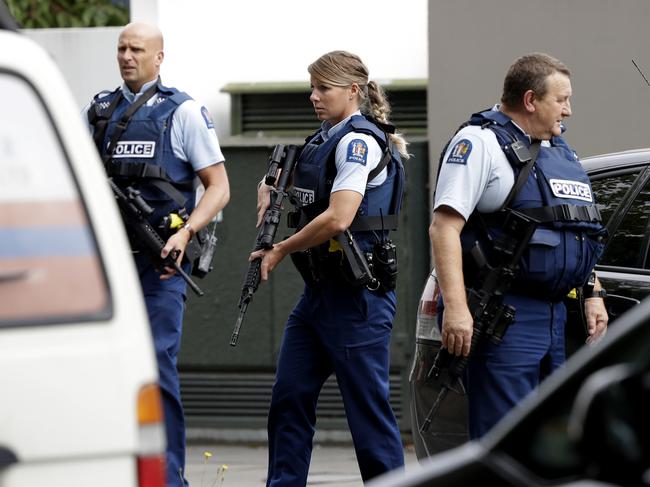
point(610, 425)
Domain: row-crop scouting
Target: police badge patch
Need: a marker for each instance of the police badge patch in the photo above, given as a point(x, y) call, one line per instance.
point(357, 152)
point(460, 153)
point(207, 118)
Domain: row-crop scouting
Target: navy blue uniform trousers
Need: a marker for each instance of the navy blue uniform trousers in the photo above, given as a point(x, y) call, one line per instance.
point(165, 301)
point(500, 376)
point(334, 329)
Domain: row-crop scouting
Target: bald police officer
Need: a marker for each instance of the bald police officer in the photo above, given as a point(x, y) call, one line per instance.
point(168, 140)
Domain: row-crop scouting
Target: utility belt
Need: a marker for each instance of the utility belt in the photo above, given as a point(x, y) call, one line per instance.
point(342, 261)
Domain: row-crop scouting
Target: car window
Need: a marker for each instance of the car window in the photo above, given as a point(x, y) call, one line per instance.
point(627, 247)
point(50, 270)
point(610, 191)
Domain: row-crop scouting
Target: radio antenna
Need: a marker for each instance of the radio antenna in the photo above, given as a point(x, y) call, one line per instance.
point(640, 72)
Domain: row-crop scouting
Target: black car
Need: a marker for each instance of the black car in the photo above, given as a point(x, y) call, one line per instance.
point(588, 425)
point(621, 184)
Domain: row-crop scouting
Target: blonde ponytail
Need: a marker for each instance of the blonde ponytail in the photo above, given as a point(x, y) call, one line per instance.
point(376, 105)
point(341, 68)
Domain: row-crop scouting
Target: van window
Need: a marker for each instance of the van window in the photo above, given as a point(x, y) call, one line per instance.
point(50, 270)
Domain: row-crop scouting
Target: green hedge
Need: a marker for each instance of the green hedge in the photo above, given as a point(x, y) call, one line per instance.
point(37, 14)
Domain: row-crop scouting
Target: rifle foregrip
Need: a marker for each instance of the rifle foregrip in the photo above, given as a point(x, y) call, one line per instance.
point(253, 275)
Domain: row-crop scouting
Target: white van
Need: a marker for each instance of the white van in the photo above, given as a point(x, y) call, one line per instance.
point(79, 404)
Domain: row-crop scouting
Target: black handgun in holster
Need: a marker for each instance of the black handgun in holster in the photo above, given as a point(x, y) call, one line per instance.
point(354, 266)
point(207, 243)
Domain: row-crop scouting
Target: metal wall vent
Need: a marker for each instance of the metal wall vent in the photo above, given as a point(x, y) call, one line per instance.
point(242, 400)
point(284, 109)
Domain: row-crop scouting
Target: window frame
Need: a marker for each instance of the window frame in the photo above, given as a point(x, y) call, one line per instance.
point(621, 211)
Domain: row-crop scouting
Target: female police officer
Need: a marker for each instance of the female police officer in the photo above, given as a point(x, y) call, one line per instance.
point(340, 324)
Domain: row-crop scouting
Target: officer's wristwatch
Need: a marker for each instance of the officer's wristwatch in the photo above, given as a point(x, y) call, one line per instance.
point(597, 294)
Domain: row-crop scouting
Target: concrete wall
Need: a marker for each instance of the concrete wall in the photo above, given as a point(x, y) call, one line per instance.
point(211, 43)
point(87, 58)
point(472, 44)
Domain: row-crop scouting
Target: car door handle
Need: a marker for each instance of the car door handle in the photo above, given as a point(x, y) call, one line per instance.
point(15, 275)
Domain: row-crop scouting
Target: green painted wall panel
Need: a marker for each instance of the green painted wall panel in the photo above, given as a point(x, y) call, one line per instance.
point(209, 320)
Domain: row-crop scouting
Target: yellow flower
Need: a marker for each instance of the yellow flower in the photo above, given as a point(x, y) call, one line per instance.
point(207, 454)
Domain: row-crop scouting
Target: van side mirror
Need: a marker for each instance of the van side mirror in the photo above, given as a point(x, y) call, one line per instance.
point(609, 422)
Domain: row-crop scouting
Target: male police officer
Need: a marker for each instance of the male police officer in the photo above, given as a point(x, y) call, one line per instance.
point(157, 139)
point(478, 172)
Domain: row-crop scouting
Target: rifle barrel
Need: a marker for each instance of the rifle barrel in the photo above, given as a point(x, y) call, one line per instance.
point(434, 409)
point(240, 319)
point(197, 290)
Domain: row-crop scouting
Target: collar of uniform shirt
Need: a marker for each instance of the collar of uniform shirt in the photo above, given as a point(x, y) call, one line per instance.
point(544, 143)
point(131, 97)
point(327, 130)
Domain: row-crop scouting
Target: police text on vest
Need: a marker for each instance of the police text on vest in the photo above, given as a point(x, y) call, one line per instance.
point(134, 148)
point(563, 188)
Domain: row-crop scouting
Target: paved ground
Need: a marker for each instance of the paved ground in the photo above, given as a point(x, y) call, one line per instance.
point(331, 465)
